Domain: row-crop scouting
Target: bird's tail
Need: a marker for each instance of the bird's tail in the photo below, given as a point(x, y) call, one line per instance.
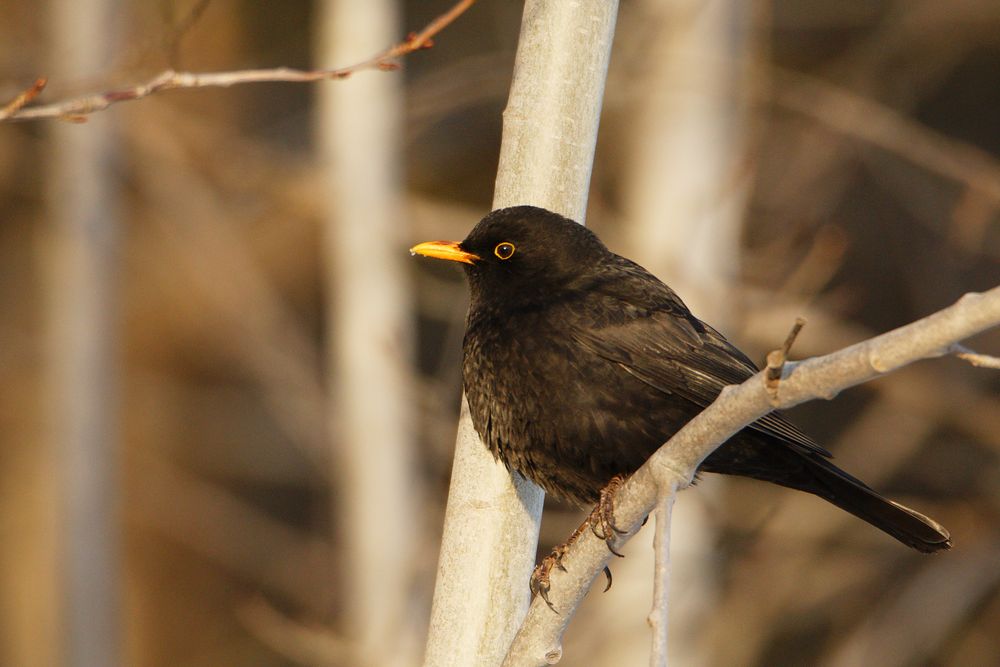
point(814, 474)
point(852, 495)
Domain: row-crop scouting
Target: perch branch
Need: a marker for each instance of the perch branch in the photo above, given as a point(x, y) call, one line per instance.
point(77, 109)
point(675, 463)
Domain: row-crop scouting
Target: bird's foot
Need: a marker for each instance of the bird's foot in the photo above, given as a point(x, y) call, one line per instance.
point(540, 584)
point(601, 523)
point(602, 519)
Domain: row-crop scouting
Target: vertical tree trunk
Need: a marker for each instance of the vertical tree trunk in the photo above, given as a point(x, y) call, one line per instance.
point(549, 137)
point(368, 333)
point(82, 318)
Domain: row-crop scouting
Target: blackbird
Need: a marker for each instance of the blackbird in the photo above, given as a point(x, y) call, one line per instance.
point(578, 364)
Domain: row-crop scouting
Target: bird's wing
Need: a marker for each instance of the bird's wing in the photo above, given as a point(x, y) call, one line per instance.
point(663, 345)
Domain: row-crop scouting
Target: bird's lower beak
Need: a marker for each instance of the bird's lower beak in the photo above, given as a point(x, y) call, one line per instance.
point(450, 250)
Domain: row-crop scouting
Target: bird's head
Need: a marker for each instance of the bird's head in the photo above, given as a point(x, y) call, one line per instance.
point(520, 254)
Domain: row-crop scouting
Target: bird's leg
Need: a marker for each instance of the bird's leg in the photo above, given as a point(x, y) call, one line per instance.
point(540, 584)
point(603, 517)
point(600, 522)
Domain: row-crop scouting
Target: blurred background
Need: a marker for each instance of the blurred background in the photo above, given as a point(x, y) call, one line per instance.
point(228, 396)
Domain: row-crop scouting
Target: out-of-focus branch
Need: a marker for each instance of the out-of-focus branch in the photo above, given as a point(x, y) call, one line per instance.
point(376, 491)
point(674, 464)
point(302, 644)
point(23, 98)
point(80, 263)
point(857, 116)
point(907, 628)
point(180, 28)
point(79, 108)
point(189, 510)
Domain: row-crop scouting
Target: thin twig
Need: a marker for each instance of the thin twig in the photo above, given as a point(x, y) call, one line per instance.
point(776, 360)
point(23, 98)
point(975, 358)
point(79, 108)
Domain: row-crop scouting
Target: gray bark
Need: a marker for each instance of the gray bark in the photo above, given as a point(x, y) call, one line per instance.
point(549, 138)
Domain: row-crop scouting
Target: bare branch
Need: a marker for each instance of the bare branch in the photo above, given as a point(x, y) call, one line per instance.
point(658, 616)
point(776, 360)
point(675, 463)
point(974, 358)
point(854, 115)
point(77, 109)
point(23, 98)
point(302, 644)
point(372, 448)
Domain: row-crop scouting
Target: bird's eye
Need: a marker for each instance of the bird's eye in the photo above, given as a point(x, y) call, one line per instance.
point(504, 250)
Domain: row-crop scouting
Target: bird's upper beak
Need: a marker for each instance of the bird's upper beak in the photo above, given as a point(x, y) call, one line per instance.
point(450, 250)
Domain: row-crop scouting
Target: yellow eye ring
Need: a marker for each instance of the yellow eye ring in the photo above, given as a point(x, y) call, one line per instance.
point(504, 250)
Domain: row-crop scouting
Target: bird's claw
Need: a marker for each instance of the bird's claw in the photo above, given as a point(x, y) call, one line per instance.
point(601, 522)
point(602, 519)
point(540, 583)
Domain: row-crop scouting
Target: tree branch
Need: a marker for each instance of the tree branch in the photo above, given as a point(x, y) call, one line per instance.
point(674, 464)
point(23, 98)
point(974, 358)
point(77, 109)
point(658, 618)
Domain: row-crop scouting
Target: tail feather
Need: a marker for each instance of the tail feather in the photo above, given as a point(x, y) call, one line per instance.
point(762, 458)
point(852, 495)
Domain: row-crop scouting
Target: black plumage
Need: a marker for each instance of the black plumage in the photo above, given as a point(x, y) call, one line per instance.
point(578, 364)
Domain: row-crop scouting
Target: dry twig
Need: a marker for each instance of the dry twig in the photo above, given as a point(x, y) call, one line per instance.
point(975, 358)
point(23, 98)
point(776, 360)
point(79, 108)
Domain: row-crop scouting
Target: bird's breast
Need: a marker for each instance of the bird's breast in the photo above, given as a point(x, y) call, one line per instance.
point(551, 409)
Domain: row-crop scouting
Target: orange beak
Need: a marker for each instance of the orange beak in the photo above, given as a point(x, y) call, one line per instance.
point(448, 250)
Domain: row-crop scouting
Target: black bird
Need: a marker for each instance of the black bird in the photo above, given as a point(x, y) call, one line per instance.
point(579, 363)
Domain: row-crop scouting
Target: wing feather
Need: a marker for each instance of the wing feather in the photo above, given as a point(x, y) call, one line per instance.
point(658, 341)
